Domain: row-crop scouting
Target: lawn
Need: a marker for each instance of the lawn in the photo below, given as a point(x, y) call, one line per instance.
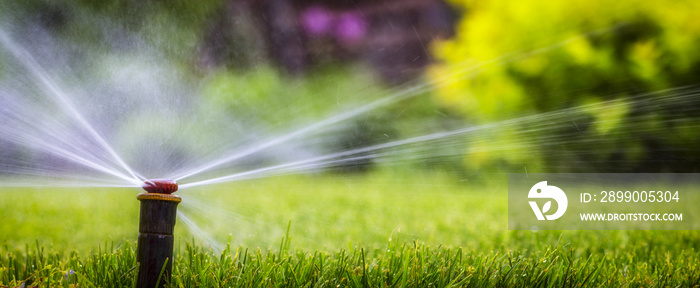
point(385, 228)
point(559, 88)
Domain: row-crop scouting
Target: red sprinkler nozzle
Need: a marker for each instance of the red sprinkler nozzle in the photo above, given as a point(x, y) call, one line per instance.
point(160, 186)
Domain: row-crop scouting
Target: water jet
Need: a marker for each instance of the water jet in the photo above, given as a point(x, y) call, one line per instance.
point(156, 223)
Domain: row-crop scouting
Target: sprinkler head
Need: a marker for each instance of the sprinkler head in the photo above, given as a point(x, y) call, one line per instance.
point(156, 224)
point(160, 186)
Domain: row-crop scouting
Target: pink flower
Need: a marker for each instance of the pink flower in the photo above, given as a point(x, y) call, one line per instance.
point(351, 28)
point(317, 21)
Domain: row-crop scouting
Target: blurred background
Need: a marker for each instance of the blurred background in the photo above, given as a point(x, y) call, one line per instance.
point(273, 62)
point(469, 91)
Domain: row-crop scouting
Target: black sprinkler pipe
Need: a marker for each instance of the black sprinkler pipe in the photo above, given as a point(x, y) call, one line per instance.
point(156, 224)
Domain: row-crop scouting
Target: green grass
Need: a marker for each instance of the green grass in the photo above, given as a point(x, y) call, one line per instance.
point(399, 264)
point(381, 229)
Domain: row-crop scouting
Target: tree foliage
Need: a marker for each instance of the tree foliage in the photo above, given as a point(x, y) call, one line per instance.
point(608, 79)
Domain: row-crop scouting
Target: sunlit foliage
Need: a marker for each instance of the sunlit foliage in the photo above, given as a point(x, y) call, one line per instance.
point(514, 58)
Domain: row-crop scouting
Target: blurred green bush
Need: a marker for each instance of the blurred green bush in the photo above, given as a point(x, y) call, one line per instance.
point(515, 58)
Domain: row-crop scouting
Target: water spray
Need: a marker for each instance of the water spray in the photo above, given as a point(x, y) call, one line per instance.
point(156, 223)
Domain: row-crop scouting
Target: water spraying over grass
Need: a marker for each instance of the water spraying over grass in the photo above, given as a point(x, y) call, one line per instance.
point(528, 128)
point(53, 91)
point(251, 149)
